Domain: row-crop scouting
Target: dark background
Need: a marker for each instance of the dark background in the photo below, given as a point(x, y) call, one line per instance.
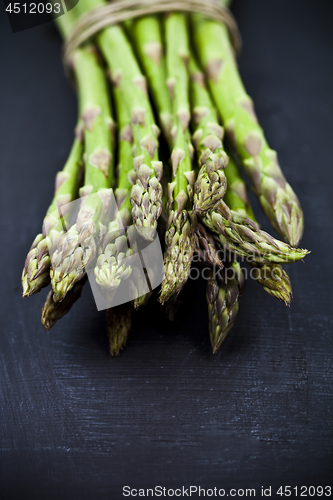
point(77, 424)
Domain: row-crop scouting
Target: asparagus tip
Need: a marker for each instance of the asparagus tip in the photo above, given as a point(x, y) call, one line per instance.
point(147, 233)
point(30, 287)
point(119, 323)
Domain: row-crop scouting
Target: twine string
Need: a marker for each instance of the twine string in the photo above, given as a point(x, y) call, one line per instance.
point(121, 10)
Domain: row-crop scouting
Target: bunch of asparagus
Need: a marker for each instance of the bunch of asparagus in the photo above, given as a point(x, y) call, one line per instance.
point(175, 75)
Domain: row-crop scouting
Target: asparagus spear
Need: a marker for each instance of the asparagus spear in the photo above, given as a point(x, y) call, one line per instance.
point(179, 234)
point(148, 39)
point(242, 236)
point(146, 196)
point(236, 196)
point(149, 44)
point(276, 196)
point(225, 284)
point(53, 311)
point(223, 292)
point(111, 265)
point(211, 184)
point(272, 277)
point(77, 247)
point(119, 323)
point(147, 36)
point(179, 247)
point(36, 272)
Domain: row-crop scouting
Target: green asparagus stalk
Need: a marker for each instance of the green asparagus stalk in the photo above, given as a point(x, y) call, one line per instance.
point(148, 39)
point(236, 196)
point(179, 234)
point(119, 323)
point(147, 36)
point(242, 236)
point(272, 277)
point(36, 272)
point(225, 284)
point(223, 293)
point(146, 196)
point(111, 265)
point(53, 311)
point(211, 184)
point(77, 248)
point(149, 44)
point(276, 196)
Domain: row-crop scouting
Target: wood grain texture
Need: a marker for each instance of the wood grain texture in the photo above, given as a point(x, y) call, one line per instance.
point(76, 424)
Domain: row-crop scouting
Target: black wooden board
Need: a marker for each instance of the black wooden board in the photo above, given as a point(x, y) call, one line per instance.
point(76, 424)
